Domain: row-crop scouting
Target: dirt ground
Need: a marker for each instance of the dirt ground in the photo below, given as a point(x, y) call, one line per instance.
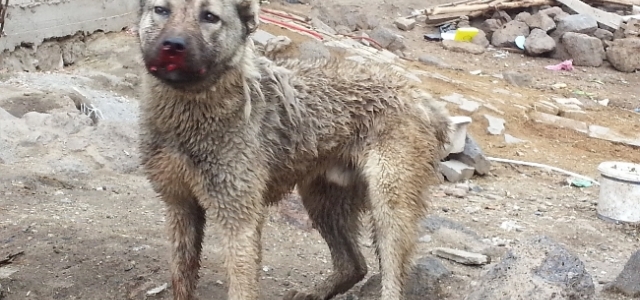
point(86, 225)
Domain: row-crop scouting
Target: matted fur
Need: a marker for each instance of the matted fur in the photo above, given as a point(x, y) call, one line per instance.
point(353, 138)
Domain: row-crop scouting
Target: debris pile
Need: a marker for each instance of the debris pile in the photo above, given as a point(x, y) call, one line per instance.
point(574, 31)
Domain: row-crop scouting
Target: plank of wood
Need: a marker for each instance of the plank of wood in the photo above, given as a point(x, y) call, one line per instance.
point(604, 18)
point(490, 6)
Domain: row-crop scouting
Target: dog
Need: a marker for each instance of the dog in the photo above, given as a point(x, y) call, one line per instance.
point(227, 132)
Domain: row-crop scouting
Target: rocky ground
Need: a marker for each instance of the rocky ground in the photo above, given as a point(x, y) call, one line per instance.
point(79, 221)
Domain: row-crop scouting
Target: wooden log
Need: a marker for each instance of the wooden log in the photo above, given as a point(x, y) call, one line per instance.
point(483, 7)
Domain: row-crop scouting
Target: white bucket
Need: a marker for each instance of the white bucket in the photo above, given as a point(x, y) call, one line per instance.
point(619, 192)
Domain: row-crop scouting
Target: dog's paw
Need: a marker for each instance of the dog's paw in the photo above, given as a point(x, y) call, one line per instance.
point(295, 295)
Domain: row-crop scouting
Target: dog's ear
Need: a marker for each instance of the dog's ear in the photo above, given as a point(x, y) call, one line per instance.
point(249, 12)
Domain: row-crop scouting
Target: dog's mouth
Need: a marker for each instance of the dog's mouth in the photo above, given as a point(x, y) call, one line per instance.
point(171, 65)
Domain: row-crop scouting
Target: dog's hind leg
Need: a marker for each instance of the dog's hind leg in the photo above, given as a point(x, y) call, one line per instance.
point(186, 220)
point(397, 169)
point(335, 211)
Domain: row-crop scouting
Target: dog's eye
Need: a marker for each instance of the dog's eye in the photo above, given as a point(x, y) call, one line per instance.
point(209, 17)
point(163, 11)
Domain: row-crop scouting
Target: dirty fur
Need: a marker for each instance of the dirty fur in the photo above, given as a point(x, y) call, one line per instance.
point(352, 138)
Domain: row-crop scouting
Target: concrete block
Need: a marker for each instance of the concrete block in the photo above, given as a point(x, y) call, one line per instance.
point(605, 133)
point(32, 21)
point(459, 135)
point(405, 24)
point(455, 171)
point(473, 156)
point(496, 125)
point(559, 122)
point(462, 257)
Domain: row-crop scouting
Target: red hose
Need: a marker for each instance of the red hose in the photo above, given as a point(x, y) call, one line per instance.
point(293, 27)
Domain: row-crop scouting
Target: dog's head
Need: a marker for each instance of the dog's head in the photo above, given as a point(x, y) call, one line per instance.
point(187, 42)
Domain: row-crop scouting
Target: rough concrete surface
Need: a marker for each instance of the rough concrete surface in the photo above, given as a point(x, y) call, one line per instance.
point(31, 21)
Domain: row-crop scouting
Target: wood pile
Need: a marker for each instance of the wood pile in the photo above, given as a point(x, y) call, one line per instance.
point(440, 14)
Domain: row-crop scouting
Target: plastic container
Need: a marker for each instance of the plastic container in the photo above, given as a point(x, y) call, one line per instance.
point(465, 34)
point(619, 192)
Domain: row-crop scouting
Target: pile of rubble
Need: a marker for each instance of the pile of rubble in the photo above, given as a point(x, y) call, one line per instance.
point(575, 31)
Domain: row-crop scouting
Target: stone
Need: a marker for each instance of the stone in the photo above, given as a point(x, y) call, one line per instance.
point(458, 138)
point(427, 280)
point(489, 26)
point(343, 30)
point(603, 34)
point(349, 16)
point(456, 171)
point(387, 39)
point(462, 257)
point(405, 24)
point(583, 49)
point(506, 35)
point(496, 125)
point(431, 60)
point(579, 23)
point(510, 139)
point(546, 107)
point(567, 101)
point(539, 42)
point(517, 78)
point(628, 281)
point(480, 39)
point(555, 12)
point(522, 17)
point(49, 57)
point(608, 134)
point(72, 50)
point(632, 28)
point(317, 23)
point(455, 192)
point(463, 47)
point(559, 122)
point(434, 223)
point(469, 106)
point(536, 269)
point(624, 54)
point(473, 156)
point(541, 21)
point(575, 114)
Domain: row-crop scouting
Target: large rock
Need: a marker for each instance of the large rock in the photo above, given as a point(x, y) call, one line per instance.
point(628, 281)
point(584, 50)
point(463, 47)
point(541, 21)
point(489, 26)
point(427, 281)
point(624, 54)
point(539, 42)
point(481, 39)
point(350, 16)
point(603, 34)
point(555, 12)
point(576, 23)
point(538, 269)
point(387, 38)
point(473, 156)
point(506, 35)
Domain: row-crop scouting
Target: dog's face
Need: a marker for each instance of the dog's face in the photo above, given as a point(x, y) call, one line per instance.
point(187, 42)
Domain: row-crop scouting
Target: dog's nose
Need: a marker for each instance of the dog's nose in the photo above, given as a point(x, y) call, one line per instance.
point(174, 44)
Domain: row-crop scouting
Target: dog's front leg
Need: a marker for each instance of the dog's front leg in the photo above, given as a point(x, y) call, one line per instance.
point(242, 230)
